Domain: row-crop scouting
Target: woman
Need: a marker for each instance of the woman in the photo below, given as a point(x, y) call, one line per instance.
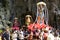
point(15, 24)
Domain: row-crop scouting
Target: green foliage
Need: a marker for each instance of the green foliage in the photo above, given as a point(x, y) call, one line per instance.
point(1, 31)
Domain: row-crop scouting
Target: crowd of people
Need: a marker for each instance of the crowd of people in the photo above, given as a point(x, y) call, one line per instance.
point(28, 33)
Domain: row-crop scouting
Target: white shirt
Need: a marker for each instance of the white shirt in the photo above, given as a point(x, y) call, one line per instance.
point(21, 35)
point(14, 36)
point(56, 38)
point(50, 37)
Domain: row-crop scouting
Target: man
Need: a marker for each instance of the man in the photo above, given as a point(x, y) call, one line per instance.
point(14, 35)
point(5, 35)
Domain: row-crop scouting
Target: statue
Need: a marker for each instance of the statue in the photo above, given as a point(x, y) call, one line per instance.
point(42, 14)
point(28, 19)
point(41, 21)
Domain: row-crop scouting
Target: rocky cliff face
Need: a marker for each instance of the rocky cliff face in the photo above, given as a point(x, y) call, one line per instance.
point(54, 12)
